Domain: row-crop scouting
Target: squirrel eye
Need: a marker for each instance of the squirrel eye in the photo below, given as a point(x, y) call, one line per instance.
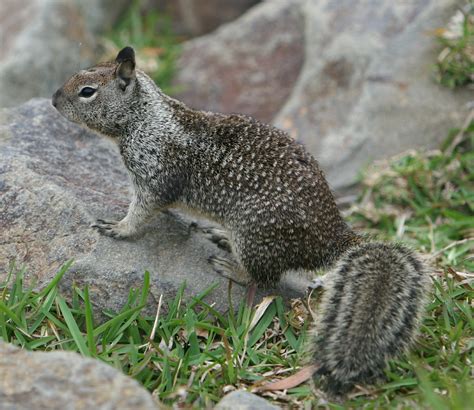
point(87, 92)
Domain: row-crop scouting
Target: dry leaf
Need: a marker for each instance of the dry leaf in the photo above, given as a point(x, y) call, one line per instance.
point(292, 381)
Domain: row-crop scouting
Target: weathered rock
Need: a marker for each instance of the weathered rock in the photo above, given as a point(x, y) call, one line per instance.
point(365, 90)
point(65, 380)
point(55, 179)
point(45, 41)
point(198, 17)
point(243, 400)
point(249, 66)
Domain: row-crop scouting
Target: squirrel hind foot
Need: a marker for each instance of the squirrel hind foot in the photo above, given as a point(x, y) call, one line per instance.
point(218, 236)
point(229, 268)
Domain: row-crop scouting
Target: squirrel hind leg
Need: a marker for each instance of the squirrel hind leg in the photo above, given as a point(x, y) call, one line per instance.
point(218, 236)
point(230, 268)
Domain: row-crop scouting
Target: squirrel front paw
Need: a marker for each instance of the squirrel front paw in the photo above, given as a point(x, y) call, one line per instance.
point(114, 229)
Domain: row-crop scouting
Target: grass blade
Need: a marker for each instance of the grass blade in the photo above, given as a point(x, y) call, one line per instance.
point(73, 328)
point(89, 323)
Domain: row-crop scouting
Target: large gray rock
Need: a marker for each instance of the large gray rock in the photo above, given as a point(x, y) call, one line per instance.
point(365, 90)
point(55, 179)
point(45, 41)
point(65, 381)
point(198, 17)
point(249, 66)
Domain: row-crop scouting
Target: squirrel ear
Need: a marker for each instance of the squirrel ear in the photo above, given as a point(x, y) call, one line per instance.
point(125, 54)
point(126, 66)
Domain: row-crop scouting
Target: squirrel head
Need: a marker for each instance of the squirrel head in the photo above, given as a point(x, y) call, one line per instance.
point(100, 97)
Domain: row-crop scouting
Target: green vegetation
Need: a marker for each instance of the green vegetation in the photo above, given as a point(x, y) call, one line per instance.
point(189, 354)
point(455, 66)
point(427, 200)
point(156, 46)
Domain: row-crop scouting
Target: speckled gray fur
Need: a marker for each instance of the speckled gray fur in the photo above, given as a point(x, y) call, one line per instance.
point(267, 191)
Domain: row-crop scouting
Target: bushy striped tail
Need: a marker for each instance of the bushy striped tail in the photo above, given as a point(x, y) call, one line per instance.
point(370, 312)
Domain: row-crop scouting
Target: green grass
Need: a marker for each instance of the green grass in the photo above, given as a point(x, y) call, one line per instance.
point(156, 46)
point(455, 66)
point(190, 355)
point(427, 200)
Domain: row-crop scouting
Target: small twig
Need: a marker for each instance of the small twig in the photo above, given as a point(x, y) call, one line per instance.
point(191, 378)
point(346, 200)
point(401, 225)
point(307, 303)
point(458, 138)
point(155, 323)
point(53, 328)
point(177, 372)
point(431, 234)
point(366, 197)
point(460, 242)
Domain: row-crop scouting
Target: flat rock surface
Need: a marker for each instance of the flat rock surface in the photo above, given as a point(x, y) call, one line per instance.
point(64, 381)
point(351, 80)
point(56, 178)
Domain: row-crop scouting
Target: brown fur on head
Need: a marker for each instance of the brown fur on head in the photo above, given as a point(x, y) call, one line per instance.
point(100, 97)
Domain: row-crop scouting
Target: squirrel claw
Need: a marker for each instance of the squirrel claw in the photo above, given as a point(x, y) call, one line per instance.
point(106, 231)
point(108, 228)
point(219, 237)
point(114, 229)
point(105, 222)
point(100, 226)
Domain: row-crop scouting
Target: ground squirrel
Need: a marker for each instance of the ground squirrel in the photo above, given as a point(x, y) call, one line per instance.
point(271, 196)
